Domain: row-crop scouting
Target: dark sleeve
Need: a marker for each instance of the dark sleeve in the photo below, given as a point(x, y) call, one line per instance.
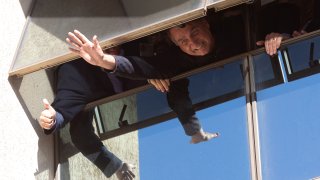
point(157, 67)
point(315, 23)
point(78, 83)
point(280, 17)
point(179, 100)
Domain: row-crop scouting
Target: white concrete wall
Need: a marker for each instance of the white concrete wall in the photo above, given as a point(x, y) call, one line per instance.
point(26, 153)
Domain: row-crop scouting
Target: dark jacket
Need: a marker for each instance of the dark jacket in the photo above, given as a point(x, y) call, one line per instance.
point(229, 38)
point(79, 83)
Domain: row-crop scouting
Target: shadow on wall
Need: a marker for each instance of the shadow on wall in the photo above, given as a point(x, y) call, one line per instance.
point(30, 90)
point(26, 6)
point(57, 17)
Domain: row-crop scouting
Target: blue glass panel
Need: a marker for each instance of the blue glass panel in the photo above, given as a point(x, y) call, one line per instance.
point(290, 129)
point(299, 53)
point(165, 152)
point(263, 70)
point(217, 82)
point(203, 86)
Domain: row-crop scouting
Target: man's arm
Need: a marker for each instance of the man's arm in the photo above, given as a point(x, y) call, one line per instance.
point(90, 51)
point(129, 67)
point(180, 102)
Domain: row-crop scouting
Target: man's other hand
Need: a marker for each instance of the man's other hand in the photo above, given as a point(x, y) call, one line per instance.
point(160, 84)
point(48, 116)
point(272, 42)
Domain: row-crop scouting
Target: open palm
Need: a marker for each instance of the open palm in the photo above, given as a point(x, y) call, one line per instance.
point(89, 51)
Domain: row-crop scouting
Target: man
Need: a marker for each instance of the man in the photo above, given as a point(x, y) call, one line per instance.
point(79, 83)
point(196, 46)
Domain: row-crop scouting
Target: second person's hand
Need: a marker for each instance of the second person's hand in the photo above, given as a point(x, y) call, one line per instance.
point(272, 43)
point(160, 84)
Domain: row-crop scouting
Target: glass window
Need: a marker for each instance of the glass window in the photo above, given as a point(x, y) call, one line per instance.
point(165, 152)
point(267, 71)
point(207, 88)
point(290, 129)
point(302, 58)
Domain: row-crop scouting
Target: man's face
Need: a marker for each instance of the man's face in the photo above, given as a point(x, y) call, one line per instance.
point(194, 38)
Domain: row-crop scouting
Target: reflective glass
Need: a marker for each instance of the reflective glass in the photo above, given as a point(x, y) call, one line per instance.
point(299, 55)
point(267, 71)
point(290, 130)
point(165, 152)
point(288, 121)
point(205, 89)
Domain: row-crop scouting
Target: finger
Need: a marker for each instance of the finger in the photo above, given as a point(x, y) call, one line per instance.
point(160, 85)
point(74, 50)
point(50, 111)
point(164, 84)
point(46, 125)
point(95, 41)
point(46, 103)
point(75, 39)
point(45, 119)
point(273, 46)
point(127, 175)
point(278, 42)
point(47, 113)
point(132, 174)
point(74, 45)
point(295, 33)
point(82, 37)
point(267, 44)
point(43, 122)
point(260, 43)
point(156, 85)
point(153, 83)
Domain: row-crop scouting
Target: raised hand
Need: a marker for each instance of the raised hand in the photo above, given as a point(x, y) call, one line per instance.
point(160, 84)
point(89, 51)
point(48, 116)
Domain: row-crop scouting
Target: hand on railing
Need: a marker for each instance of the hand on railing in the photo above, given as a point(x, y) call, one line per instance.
point(272, 42)
point(160, 84)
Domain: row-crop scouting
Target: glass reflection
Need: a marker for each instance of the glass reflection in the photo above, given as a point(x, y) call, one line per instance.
point(302, 55)
point(207, 88)
point(267, 71)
